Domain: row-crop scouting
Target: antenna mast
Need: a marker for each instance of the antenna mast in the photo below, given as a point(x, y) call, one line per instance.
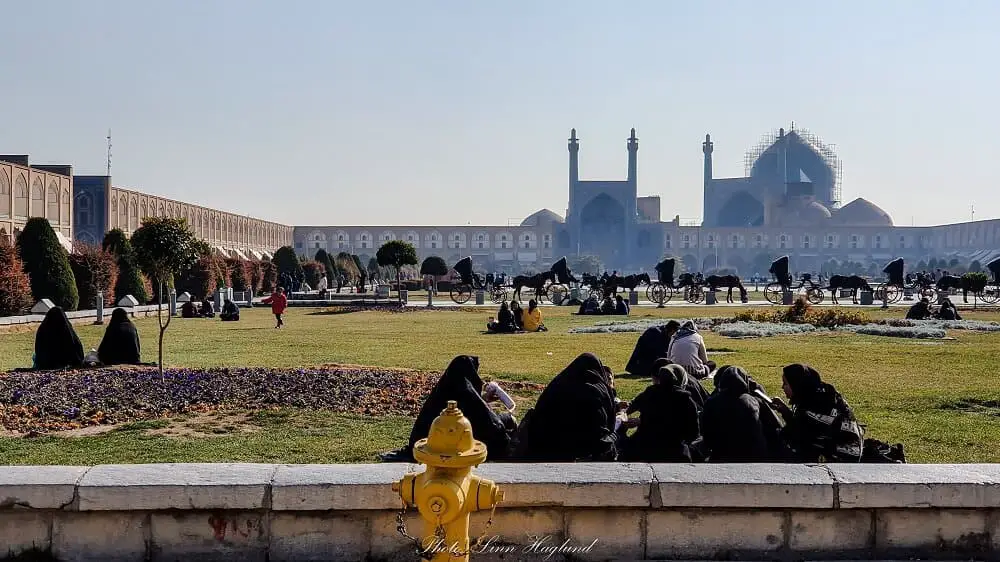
point(109, 152)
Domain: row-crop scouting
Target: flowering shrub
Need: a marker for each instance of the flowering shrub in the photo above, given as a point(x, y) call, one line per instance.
point(761, 329)
point(15, 289)
point(805, 314)
point(313, 272)
point(95, 270)
point(202, 279)
point(268, 276)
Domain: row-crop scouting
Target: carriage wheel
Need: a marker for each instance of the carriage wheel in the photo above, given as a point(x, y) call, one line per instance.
point(773, 292)
point(887, 293)
point(658, 293)
point(558, 293)
point(990, 294)
point(694, 294)
point(498, 294)
point(814, 295)
point(461, 294)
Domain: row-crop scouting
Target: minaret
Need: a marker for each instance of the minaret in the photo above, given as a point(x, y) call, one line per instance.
point(782, 158)
point(706, 148)
point(574, 166)
point(633, 154)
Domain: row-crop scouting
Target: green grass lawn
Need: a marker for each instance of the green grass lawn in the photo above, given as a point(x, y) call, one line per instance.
point(938, 398)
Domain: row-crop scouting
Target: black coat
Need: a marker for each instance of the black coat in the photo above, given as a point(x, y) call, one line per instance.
point(56, 343)
point(120, 345)
point(461, 383)
point(731, 421)
point(574, 417)
point(668, 422)
point(652, 345)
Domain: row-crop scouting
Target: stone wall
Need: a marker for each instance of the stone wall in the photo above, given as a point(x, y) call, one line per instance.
point(634, 511)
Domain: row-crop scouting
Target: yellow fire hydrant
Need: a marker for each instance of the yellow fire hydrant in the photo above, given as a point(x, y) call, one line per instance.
point(447, 492)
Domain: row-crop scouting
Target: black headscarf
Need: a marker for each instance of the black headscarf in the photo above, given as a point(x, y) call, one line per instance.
point(120, 345)
point(652, 345)
point(810, 392)
point(461, 383)
point(691, 384)
point(56, 343)
point(574, 418)
point(731, 421)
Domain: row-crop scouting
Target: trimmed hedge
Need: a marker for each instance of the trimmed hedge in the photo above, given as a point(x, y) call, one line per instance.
point(239, 273)
point(203, 278)
point(130, 280)
point(313, 272)
point(286, 261)
point(95, 270)
point(15, 287)
point(268, 277)
point(47, 264)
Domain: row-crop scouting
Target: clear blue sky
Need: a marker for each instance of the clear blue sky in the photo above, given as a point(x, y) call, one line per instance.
point(346, 112)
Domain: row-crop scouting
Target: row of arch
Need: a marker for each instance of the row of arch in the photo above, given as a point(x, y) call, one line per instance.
point(365, 239)
point(18, 201)
point(786, 241)
point(127, 209)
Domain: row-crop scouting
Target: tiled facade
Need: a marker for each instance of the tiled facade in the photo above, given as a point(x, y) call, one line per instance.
point(34, 191)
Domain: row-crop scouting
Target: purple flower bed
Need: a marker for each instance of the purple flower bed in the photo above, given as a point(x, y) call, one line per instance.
point(32, 402)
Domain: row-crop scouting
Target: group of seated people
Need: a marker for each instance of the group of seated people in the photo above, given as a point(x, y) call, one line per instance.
point(922, 310)
point(512, 318)
point(608, 306)
point(206, 309)
point(579, 418)
point(680, 343)
point(57, 345)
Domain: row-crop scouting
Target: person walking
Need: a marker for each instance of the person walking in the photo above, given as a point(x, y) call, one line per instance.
point(278, 302)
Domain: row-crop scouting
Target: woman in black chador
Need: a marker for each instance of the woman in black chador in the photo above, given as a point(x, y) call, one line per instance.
point(574, 418)
point(56, 343)
point(731, 421)
point(653, 344)
point(461, 383)
point(120, 345)
point(820, 426)
point(668, 419)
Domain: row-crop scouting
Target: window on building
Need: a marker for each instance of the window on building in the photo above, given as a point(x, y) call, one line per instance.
point(480, 245)
point(546, 244)
point(686, 241)
point(734, 241)
point(503, 245)
point(758, 241)
point(666, 241)
point(783, 241)
point(434, 245)
point(805, 242)
point(878, 241)
point(829, 241)
point(902, 241)
point(854, 241)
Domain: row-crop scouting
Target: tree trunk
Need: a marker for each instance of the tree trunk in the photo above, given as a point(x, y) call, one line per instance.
point(399, 288)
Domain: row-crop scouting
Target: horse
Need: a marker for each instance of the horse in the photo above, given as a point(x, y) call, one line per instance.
point(536, 282)
point(949, 282)
point(852, 282)
point(630, 282)
point(689, 282)
point(729, 281)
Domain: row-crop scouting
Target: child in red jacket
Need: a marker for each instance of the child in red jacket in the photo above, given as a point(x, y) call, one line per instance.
point(278, 302)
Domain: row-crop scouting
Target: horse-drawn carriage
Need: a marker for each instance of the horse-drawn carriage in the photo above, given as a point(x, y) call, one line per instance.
point(470, 282)
point(986, 290)
point(553, 283)
point(775, 290)
point(692, 285)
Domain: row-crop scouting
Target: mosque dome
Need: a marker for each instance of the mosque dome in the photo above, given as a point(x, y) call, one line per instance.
point(797, 213)
point(862, 212)
point(542, 217)
point(814, 211)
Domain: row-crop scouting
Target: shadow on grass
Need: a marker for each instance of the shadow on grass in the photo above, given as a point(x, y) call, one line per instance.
point(974, 406)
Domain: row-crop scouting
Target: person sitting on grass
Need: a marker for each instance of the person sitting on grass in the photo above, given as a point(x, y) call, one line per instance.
point(189, 309)
point(589, 306)
point(948, 311)
point(653, 344)
point(693, 385)
point(230, 312)
point(668, 420)
point(608, 306)
point(504, 322)
point(921, 310)
point(56, 344)
point(621, 307)
point(819, 426)
point(574, 418)
point(532, 318)
point(732, 426)
point(687, 349)
point(278, 302)
point(120, 345)
point(207, 308)
point(518, 314)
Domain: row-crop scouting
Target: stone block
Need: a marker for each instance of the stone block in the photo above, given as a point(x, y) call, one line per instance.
point(480, 298)
point(100, 537)
point(209, 536)
point(743, 485)
point(917, 531)
point(572, 484)
point(867, 298)
point(633, 298)
point(39, 487)
point(712, 535)
point(318, 537)
point(23, 530)
point(831, 531)
point(184, 297)
point(128, 301)
point(342, 486)
point(911, 485)
point(711, 297)
point(787, 298)
point(175, 486)
point(604, 534)
point(386, 542)
point(42, 306)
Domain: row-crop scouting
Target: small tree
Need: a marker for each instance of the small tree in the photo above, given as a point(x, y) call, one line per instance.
point(47, 264)
point(15, 288)
point(130, 280)
point(253, 268)
point(328, 268)
point(435, 267)
point(164, 247)
point(313, 271)
point(373, 269)
point(397, 253)
point(268, 276)
point(587, 264)
point(95, 271)
point(239, 274)
point(286, 262)
point(345, 265)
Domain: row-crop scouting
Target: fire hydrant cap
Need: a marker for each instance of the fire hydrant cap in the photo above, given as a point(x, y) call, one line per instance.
point(450, 442)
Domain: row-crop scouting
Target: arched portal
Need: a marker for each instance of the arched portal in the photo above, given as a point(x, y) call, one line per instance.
point(742, 209)
point(603, 229)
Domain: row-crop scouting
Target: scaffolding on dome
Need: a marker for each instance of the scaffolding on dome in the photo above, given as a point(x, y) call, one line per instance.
point(826, 151)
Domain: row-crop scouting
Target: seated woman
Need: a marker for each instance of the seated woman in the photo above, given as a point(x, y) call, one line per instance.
point(687, 349)
point(461, 383)
point(653, 344)
point(230, 312)
point(189, 309)
point(731, 421)
point(694, 387)
point(120, 345)
point(56, 343)
point(920, 310)
point(574, 418)
point(820, 425)
point(207, 309)
point(532, 318)
point(668, 420)
point(608, 306)
point(504, 322)
point(948, 311)
point(621, 307)
point(589, 306)
point(518, 315)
